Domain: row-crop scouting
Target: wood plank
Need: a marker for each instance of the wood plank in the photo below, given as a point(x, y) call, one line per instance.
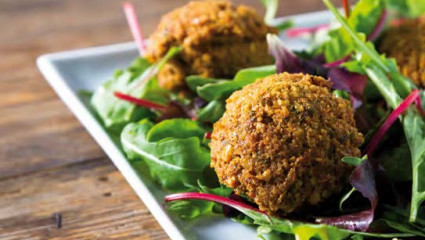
point(39, 135)
point(93, 198)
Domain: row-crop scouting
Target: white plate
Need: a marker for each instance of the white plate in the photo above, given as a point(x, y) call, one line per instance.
point(72, 71)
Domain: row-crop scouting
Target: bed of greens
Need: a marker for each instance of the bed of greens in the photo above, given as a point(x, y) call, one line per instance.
point(388, 183)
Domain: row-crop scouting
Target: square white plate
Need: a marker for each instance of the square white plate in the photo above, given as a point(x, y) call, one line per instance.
point(70, 72)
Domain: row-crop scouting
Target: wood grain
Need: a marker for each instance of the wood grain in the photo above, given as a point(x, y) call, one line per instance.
point(92, 197)
point(48, 163)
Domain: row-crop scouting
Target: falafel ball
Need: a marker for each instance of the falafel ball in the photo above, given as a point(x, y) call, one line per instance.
point(281, 140)
point(406, 43)
point(217, 37)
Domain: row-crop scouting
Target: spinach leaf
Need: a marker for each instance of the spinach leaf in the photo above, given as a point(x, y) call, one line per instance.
point(223, 89)
point(212, 112)
point(177, 162)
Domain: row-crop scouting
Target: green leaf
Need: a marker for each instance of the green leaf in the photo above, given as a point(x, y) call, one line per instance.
point(191, 209)
point(378, 68)
point(395, 164)
point(398, 219)
point(365, 15)
point(308, 230)
point(414, 129)
point(175, 128)
point(223, 89)
point(271, 10)
point(363, 19)
point(114, 112)
point(338, 46)
point(212, 112)
point(252, 74)
point(174, 163)
point(345, 198)
point(355, 161)
point(408, 8)
point(198, 81)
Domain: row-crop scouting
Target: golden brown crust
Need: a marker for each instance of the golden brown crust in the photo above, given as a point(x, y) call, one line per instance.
point(281, 140)
point(217, 38)
point(406, 44)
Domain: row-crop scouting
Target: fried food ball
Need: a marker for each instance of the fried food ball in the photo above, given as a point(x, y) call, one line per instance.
point(217, 37)
point(281, 140)
point(406, 43)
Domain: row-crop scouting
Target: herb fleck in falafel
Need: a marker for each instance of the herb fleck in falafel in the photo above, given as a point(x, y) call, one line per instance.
point(218, 39)
point(281, 140)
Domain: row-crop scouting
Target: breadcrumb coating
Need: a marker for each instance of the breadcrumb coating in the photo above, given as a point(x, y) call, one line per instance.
point(281, 140)
point(218, 39)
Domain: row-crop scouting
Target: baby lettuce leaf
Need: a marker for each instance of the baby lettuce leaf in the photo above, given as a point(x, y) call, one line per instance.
point(172, 151)
point(176, 128)
point(393, 91)
point(114, 112)
point(139, 81)
point(223, 89)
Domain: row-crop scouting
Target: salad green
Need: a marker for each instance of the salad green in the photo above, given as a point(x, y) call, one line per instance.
point(174, 150)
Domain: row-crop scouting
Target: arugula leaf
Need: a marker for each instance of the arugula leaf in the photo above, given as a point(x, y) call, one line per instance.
point(414, 129)
point(413, 123)
point(175, 162)
point(223, 89)
point(212, 112)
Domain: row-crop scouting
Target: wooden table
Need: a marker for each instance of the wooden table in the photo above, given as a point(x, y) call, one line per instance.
point(48, 162)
